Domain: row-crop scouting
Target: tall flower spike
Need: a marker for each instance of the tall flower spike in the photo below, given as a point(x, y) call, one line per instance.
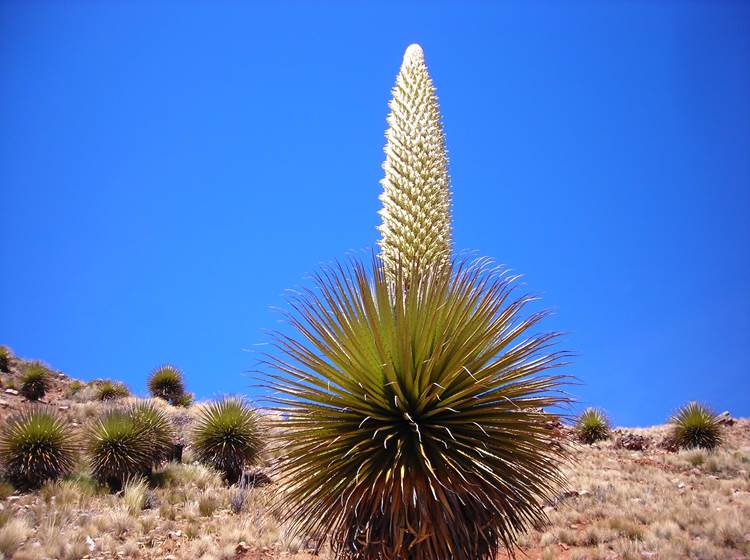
point(416, 213)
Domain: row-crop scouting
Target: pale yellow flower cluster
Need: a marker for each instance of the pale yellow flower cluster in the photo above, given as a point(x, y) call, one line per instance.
point(416, 214)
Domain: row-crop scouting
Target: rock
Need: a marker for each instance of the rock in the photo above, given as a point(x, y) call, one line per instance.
point(631, 441)
point(241, 548)
point(90, 544)
point(254, 477)
point(668, 444)
point(725, 419)
point(11, 392)
point(4, 403)
point(63, 407)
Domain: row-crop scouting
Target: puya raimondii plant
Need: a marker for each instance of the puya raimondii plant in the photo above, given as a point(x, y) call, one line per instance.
point(117, 448)
point(35, 381)
point(36, 445)
point(592, 425)
point(128, 442)
point(414, 388)
point(695, 426)
point(108, 390)
point(227, 435)
point(157, 429)
point(166, 382)
point(5, 355)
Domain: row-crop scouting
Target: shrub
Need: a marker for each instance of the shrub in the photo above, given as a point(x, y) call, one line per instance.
point(166, 383)
point(695, 425)
point(37, 445)
point(35, 381)
point(5, 355)
point(227, 436)
point(107, 390)
point(118, 448)
point(592, 426)
point(157, 429)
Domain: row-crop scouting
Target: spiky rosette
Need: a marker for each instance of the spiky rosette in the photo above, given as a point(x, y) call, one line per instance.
point(166, 383)
point(158, 430)
point(227, 436)
point(416, 214)
point(696, 425)
point(107, 390)
point(37, 445)
point(5, 355)
point(592, 425)
point(118, 448)
point(35, 381)
point(415, 425)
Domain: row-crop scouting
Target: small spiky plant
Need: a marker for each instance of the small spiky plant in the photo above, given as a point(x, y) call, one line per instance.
point(37, 445)
point(118, 448)
point(157, 429)
point(108, 390)
point(35, 381)
point(5, 355)
point(592, 426)
point(695, 425)
point(227, 436)
point(166, 383)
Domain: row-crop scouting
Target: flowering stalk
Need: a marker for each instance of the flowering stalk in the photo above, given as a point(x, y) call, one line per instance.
point(416, 214)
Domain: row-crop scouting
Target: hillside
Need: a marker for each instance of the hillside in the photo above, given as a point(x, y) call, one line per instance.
point(629, 498)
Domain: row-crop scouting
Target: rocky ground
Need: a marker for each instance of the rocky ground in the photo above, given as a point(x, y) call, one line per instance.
point(631, 497)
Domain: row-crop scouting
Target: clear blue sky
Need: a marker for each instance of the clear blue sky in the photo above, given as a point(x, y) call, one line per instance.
point(168, 169)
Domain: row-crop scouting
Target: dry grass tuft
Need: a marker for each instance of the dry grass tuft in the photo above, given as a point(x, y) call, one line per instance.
point(12, 535)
